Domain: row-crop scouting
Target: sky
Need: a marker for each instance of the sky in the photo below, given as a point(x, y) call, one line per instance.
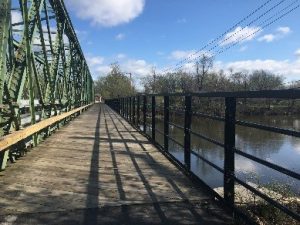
point(142, 35)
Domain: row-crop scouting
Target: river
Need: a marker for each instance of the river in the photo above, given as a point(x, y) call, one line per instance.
point(276, 148)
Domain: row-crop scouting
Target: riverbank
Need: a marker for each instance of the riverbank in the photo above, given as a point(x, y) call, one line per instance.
point(259, 210)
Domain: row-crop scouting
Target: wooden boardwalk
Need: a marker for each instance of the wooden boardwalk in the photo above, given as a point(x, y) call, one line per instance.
point(100, 170)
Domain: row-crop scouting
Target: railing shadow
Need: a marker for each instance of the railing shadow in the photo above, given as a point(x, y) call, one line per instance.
point(90, 216)
point(158, 168)
point(48, 208)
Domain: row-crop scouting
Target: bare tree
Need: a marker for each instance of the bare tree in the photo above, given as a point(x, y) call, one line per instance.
point(240, 81)
point(154, 84)
point(203, 65)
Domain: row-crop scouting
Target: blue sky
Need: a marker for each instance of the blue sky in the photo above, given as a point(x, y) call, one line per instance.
point(146, 34)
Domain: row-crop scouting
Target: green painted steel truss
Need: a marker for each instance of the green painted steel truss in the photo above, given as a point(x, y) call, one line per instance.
point(43, 71)
point(42, 68)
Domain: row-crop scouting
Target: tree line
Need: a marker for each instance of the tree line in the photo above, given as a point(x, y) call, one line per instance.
point(116, 83)
point(202, 79)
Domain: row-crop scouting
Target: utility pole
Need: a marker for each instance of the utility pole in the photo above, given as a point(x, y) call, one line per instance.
point(154, 80)
point(130, 78)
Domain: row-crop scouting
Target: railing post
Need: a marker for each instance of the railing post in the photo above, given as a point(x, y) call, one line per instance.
point(130, 109)
point(127, 108)
point(166, 122)
point(153, 106)
point(187, 133)
point(119, 106)
point(123, 107)
point(138, 111)
point(144, 113)
point(229, 142)
point(133, 110)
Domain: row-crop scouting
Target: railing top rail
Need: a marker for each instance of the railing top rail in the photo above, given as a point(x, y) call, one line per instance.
point(230, 121)
point(284, 94)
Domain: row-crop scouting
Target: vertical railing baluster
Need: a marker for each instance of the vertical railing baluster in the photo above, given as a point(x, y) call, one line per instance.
point(130, 109)
point(127, 109)
point(124, 110)
point(187, 131)
point(120, 109)
point(144, 113)
point(153, 107)
point(119, 106)
point(133, 110)
point(123, 107)
point(138, 111)
point(229, 142)
point(166, 122)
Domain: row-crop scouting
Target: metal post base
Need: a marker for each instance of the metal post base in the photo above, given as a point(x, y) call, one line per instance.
point(3, 159)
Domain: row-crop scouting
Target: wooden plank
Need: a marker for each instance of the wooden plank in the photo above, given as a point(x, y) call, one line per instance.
point(96, 162)
point(17, 136)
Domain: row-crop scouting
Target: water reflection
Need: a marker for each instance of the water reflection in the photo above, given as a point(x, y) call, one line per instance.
point(280, 149)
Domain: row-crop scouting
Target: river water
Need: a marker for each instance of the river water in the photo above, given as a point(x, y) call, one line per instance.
point(276, 148)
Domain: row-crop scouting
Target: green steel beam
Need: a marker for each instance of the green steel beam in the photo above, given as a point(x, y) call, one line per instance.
point(45, 67)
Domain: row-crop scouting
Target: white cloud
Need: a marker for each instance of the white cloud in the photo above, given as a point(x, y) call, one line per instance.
point(297, 52)
point(281, 32)
point(138, 67)
point(94, 61)
point(189, 67)
point(240, 34)
point(101, 70)
point(121, 56)
point(189, 54)
point(286, 68)
point(284, 30)
point(267, 38)
point(96, 65)
point(179, 54)
point(120, 36)
point(108, 12)
point(16, 17)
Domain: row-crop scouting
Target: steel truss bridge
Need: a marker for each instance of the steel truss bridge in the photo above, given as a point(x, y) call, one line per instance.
point(43, 71)
point(111, 165)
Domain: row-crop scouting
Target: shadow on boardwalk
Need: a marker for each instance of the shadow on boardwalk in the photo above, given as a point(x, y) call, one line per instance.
point(99, 170)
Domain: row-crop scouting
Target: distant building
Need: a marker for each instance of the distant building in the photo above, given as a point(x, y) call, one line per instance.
point(98, 98)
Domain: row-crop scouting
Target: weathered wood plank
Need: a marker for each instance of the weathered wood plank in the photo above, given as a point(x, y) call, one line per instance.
point(13, 138)
point(99, 161)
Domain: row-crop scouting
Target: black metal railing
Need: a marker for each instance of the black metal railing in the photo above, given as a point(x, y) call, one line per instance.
point(138, 111)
